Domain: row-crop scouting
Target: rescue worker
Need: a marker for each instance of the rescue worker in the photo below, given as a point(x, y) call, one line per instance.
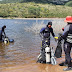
point(67, 36)
point(2, 32)
point(45, 33)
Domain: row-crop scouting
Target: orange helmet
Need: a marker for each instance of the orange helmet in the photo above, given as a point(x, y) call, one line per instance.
point(68, 19)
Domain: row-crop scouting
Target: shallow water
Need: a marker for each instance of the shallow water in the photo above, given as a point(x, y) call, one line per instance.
point(27, 43)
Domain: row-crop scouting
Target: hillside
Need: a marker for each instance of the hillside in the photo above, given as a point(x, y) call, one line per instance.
point(34, 10)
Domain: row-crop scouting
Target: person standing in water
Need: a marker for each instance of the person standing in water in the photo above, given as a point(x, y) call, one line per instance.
point(45, 33)
point(2, 32)
point(67, 36)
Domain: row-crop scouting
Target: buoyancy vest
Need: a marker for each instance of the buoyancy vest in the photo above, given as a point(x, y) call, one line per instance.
point(46, 33)
point(69, 36)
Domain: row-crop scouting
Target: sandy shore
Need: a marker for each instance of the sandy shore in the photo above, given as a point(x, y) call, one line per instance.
point(35, 68)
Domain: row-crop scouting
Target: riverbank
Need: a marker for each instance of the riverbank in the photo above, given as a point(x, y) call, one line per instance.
point(31, 18)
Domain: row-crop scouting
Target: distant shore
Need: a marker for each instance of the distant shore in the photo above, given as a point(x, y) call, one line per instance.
point(31, 18)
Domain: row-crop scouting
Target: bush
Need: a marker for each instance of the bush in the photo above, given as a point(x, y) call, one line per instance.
point(34, 11)
point(3, 14)
point(69, 3)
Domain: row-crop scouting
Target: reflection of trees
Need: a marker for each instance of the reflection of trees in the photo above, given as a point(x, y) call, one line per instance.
point(2, 49)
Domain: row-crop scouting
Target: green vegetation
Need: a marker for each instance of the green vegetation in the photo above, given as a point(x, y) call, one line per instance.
point(60, 2)
point(34, 10)
point(69, 3)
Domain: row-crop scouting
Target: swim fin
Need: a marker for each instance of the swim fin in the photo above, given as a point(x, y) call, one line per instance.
point(63, 64)
point(67, 69)
point(58, 51)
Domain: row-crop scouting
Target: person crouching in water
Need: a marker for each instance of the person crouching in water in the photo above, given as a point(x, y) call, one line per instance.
point(45, 33)
point(67, 36)
point(2, 32)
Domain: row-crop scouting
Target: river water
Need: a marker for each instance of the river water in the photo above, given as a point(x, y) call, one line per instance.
point(27, 42)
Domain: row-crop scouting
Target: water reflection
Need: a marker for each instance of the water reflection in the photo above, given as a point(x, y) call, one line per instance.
point(2, 49)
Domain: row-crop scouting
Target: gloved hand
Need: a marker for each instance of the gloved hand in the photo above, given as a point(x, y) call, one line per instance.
point(56, 38)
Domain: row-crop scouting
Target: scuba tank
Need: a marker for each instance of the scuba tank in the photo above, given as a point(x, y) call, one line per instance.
point(6, 40)
point(45, 54)
point(48, 55)
point(50, 58)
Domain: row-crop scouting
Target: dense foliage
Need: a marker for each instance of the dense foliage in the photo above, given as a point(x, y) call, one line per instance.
point(34, 10)
point(69, 3)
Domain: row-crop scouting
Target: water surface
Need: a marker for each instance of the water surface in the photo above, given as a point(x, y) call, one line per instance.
point(27, 43)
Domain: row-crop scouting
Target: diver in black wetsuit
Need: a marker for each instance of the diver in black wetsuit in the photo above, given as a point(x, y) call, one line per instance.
point(2, 32)
point(45, 33)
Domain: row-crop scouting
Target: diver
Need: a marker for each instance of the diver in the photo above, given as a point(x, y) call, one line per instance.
point(45, 53)
point(2, 32)
point(45, 33)
point(67, 36)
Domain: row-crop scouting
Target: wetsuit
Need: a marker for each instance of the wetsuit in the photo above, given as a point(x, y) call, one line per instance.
point(1, 33)
point(45, 32)
point(67, 36)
